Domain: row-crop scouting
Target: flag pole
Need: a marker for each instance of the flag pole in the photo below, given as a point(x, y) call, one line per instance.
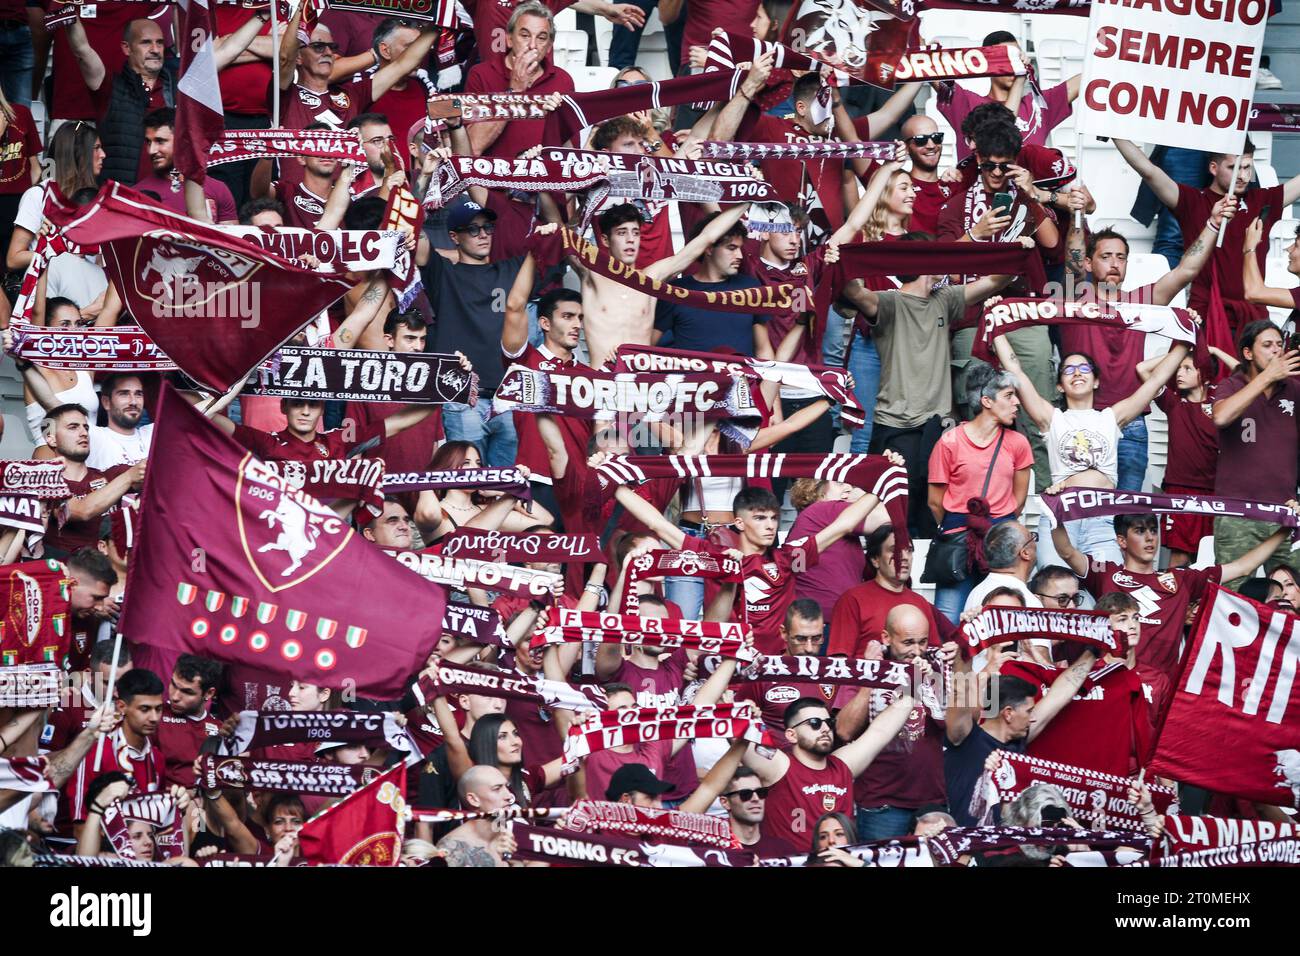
point(108, 697)
point(1232, 191)
point(275, 68)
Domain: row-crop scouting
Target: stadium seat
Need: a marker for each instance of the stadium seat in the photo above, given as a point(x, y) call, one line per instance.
point(1044, 27)
point(570, 49)
point(1283, 234)
point(589, 79)
point(1057, 61)
point(1276, 276)
point(975, 24)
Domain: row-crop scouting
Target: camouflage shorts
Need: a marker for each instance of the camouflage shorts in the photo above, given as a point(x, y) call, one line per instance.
point(1233, 537)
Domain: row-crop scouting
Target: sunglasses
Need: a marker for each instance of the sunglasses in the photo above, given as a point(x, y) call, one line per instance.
point(474, 229)
point(816, 723)
point(988, 166)
point(1083, 368)
point(619, 84)
point(922, 138)
point(320, 46)
point(746, 795)
point(1061, 600)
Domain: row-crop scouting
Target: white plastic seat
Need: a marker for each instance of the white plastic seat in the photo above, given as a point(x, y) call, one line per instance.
point(589, 79)
point(569, 51)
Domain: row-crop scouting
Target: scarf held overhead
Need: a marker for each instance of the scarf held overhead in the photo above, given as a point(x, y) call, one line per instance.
point(462, 573)
point(565, 626)
point(685, 564)
point(499, 546)
point(603, 729)
point(444, 680)
point(568, 848)
point(330, 479)
point(257, 729)
point(1075, 503)
point(1097, 800)
point(124, 348)
point(511, 481)
point(1002, 625)
point(832, 383)
point(241, 145)
point(671, 826)
point(1009, 315)
point(350, 375)
point(284, 776)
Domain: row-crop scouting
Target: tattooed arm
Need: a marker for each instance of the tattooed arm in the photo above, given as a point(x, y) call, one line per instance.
point(368, 307)
point(1060, 693)
point(1197, 254)
point(1076, 244)
point(460, 853)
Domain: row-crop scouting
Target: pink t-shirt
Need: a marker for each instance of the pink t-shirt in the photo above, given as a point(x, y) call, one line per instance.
point(841, 565)
point(1033, 121)
point(602, 764)
point(962, 465)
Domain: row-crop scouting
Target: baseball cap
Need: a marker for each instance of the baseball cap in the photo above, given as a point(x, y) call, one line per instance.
point(636, 777)
point(463, 215)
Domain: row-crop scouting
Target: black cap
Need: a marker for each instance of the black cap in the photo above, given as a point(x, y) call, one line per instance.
point(636, 777)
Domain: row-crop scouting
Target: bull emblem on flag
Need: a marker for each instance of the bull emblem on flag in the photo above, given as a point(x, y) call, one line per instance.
point(1288, 767)
point(298, 535)
point(169, 264)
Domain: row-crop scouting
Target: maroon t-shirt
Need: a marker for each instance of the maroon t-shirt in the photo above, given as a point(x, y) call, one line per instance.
point(514, 219)
point(703, 16)
point(1193, 441)
point(284, 446)
point(797, 180)
point(908, 773)
point(243, 85)
point(601, 766)
point(769, 589)
point(19, 144)
point(302, 207)
point(798, 799)
point(73, 535)
point(72, 99)
point(1118, 353)
point(1163, 599)
point(1105, 727)
point(340, 103)
point(860, 617)
point(409, 450)
point(807, 272)
point(1193, 210)
point(180, 737)
point(839, 568)
point(929, 199)
point(773, 697)
point(575, 431)
point(1257, 452)
point(662, 687)
point(216, 195)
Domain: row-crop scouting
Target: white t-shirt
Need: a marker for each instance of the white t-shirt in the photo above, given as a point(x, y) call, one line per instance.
point(31, 209)
point(975, 600)
point(74, 277)
point(109, 448)
point(1083, 438)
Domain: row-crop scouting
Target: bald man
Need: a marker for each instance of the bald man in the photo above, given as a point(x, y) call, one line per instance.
point(480, 843)
point(907, 777)
point(924, 144)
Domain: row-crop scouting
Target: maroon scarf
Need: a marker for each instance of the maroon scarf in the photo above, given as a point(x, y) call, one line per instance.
point(1075, 503)
point(829, 150)
point(454, 679)
point(567, 848)
point(949, 845)
point(1002, 625)
point(959, 63)
point(580, 110)
point(156, 809)
point(23, 512)
point(241, 145)
point(283, 776)
point(508, 480)
point(1284, 851)
point(1096, 799)
point(564, 626)
point(831, 382)
point(508, 548)
point(349, 375)
point(484, 108)
point(1275, 117)
point(551, 249)
point(258, 729)
point(478, 625)
point(329, 479)
point(1184, 834)
point(602, 729)
point(42, 478)
point(1009, 315)
point(461, 573)
point(652, 395)
point(404, 215)
point(861, 259)
point(124, 348)
point(669, 826)
point(872, 473)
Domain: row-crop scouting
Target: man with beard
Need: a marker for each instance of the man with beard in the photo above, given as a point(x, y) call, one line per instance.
point(165, 180)
point(376, 140)
point(803, 632)
point(121, 395)
point(924, 142)
point(187, 719)
point(746, 804)
point(908, 773)
point(810, 780)
point(303, 187)
point(95, 492)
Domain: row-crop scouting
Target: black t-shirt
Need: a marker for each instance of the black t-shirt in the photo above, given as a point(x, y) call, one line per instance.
point(437, 787)
point(963, 765)
point(702, 330)
point(469, 310)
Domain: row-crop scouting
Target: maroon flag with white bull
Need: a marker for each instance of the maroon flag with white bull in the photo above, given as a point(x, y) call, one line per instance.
point(200, 117)
point(217, 305)
point(235, 564)
point(1233, 723)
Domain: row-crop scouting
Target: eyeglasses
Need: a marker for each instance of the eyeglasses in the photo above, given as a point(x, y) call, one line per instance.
point(619, 84)
point(380, 140)
point(922, 138)
point(1061, 600)
point(320, 46)
point(1033, 536)
point(474, 228)
point(746, 795)
point(1083, 368)
point(816, 723)
point(988, 166)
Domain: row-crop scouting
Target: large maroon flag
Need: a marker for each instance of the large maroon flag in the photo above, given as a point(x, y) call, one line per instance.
point(200, 117)
point(854, 35)
point(364, 828)
point(217, 305)
point(235, 565)
point(1233, 724)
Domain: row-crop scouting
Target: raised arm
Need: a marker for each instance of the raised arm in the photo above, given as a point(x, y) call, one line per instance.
point(1256, 291)
point(340, 198)
point(650, 516)
point(1283, 366)
point(849, 521)
point(1038, 408)
point(728, 119)
point(1073, 558)
point(227, 48)
point(458, 758)
point(1136, 404)
point(665, 269)
point(1197, 254)
point(1249, 562)
point(514, 332)
point(864, 207)
point(719, 776)
point(1060, 693)
point(892, 110)
point(1161, 184)
point(88, 61)
point(387, 77)
point(368, 308)
point(289, 43)
point(859, 754)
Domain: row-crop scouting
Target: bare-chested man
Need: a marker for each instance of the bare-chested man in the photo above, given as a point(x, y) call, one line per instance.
point(478, 842)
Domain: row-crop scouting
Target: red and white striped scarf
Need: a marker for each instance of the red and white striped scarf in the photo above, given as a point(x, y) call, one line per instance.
point(48, 245)
point(565, 626)
point(603, 729)
point(123, 348)
point(681, 564)
point(25, 774)
point(237, 146)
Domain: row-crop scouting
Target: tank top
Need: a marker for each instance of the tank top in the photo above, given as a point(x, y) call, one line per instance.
point(719, 494)
point(797, 800)
point(1083, 438)
point(82, 393)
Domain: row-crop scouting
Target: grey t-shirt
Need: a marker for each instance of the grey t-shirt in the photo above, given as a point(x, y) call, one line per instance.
point(469, 310)
point(911, 334)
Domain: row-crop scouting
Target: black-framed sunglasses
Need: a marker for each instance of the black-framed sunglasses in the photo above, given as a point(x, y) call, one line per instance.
point(920, 139)
point(747, 794)
point(320, 46)
point(816, 723)
point(988, 166)
point(1061, 600)
point(475, 228)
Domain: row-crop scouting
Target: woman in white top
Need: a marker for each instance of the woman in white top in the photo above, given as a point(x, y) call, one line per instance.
point(78, 158)
point(70, 386)
point(1082, 442)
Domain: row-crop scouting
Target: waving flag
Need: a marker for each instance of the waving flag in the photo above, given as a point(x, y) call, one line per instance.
point(200, 117)
point(364, 828)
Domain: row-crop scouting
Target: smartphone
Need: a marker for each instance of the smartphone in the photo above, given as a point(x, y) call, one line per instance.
point(1263, 214)
point(1051, 815)
point(1002, 203)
